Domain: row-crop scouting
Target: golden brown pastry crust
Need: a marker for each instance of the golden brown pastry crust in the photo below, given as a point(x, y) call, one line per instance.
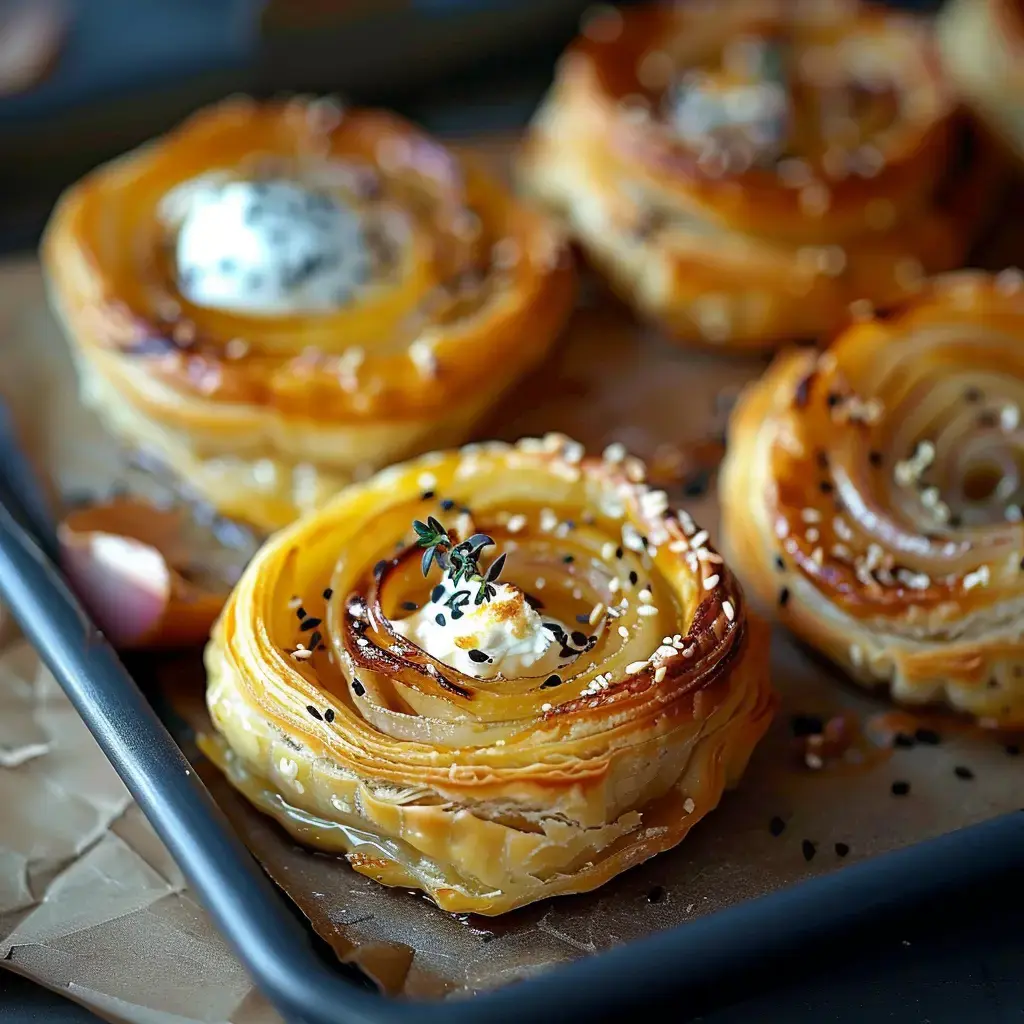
point(266, 415)
point(490, 795)
point(725, 251)
point(868, 494)
point(982, 46)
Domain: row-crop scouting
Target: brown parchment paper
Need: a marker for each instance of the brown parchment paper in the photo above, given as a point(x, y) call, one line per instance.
point(90, 903)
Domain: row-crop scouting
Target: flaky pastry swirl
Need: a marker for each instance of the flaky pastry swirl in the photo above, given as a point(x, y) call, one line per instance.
point(874, 495)
point(744, 171)
point(490, 793)
point(446, 290)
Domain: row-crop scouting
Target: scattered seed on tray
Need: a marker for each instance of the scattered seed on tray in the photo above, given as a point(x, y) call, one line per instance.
point(842, 849)
point(961, 771)
point(901, 739)
point(656, 895)
point(1013, 749)
point(927, 736)
point(410, 606)
point(806, 725)
point(329, 715)
point(776, 826)
point(809, 849)
point(900, 788)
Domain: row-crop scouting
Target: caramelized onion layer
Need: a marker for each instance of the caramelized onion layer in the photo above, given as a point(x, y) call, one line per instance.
point(490, 793)
point(874, 494)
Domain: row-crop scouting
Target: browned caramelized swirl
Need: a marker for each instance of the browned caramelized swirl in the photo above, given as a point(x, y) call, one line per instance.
point(874, 493)
point(488, 790)
point(744, 171)
point(459, 291)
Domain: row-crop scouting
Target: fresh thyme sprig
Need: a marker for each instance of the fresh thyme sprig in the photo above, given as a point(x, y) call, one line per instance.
point(461, 561)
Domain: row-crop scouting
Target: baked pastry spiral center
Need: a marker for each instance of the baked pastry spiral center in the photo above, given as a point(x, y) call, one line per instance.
point(270, 247)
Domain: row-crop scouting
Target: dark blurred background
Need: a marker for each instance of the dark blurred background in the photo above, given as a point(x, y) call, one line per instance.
point(83, 80)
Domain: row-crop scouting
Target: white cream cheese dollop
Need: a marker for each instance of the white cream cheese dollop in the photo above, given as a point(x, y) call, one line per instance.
point(503, 636)
point(265, 247)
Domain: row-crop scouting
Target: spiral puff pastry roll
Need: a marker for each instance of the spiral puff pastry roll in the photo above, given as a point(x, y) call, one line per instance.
point(982, 43)
point(494, 674)
point(278, 298)
point(744, 171)
point(873, 493)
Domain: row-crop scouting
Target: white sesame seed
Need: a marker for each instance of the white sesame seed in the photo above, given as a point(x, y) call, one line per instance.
point(1009, 417)
point(539, 582)
point(288, 768)
point(688, 805)
point(704, 555)
point(613, 584)
point(856, 655)
point(516, 523)
point(654, 503)
point(363, 642)
point(647, 609)
point(548, 520)
point(635, 666)
point(842, 530)
point(645, 596)
point(678, 546)
point(979, 577)
point(573, 452)
point(659, 673)
point(812, 536)
point(608, 551)
point(686, 522)
point(631, 538)
point(423, 358)
point(427, 481)
point(813, 761)
point(302, 654)
point(545, 707)
point(614, 453)
point(595, 613)
point(810, 515)
point(623, 632)
point(294, 603)
point(698, 540)
point(730, 612)
point(711, 582)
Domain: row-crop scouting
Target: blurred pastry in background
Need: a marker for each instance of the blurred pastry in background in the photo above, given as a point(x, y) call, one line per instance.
point(873, 494)
point(278, 298)
point(31, 34)
point(982, 44)
point(742, 172)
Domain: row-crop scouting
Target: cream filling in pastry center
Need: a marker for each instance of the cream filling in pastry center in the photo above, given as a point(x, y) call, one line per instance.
point(267, 247)
point(500, 637)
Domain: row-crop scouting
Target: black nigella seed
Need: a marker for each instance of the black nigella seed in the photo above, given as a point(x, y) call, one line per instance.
point(426, 495)
point(987, 420)
point(583, 620)
point(567, 652)
point(409, 606)
point(656, 895)
point(552, 680)
point(1013, 749)
point(901, 739)
point(378, 569)
point(833, 399)
point(842, 849)
point(809, 849)
point(439, 619)
point(633, 577)
point(619, 552)
point(308, 624)
point(447, 504)
point(313, 711)
point(783, 597)
point(437, 593)
point(578, 638)
point(776, 826)
point(779, 563)
point(554, 627)
point(696, 486)
point(478, 656)
point(568, 559)
point(329, 713)
point(972, 395)
point(328, 594)
point(875, 458)
point(961, 771)
point(927, 736)
point(825, 487)
point(300, 613)
point(806, 725)
point(357, 688)
point(900, 788)
point(314, 639)
point(822, 459)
